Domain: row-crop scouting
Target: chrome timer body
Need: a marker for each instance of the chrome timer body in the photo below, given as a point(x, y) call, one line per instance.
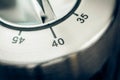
point(67, 39)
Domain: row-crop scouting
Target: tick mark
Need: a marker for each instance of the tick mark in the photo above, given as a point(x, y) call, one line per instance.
point(20, 33)
point(54, 35)
point(76, 14)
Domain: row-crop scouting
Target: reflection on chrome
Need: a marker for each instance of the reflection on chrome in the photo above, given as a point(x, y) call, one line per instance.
point(27, 12)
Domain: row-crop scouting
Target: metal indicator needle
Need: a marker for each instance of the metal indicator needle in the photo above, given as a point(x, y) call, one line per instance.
point(44, 10)
point(47, 9)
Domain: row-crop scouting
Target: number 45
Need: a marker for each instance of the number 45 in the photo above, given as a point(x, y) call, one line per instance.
point(18, 40)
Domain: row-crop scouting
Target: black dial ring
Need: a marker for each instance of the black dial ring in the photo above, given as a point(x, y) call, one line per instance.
point(44, 26)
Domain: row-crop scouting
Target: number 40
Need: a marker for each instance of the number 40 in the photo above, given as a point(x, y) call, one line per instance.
point(58, 42)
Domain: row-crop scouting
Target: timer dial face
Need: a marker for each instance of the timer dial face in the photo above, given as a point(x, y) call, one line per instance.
point(36, 31)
